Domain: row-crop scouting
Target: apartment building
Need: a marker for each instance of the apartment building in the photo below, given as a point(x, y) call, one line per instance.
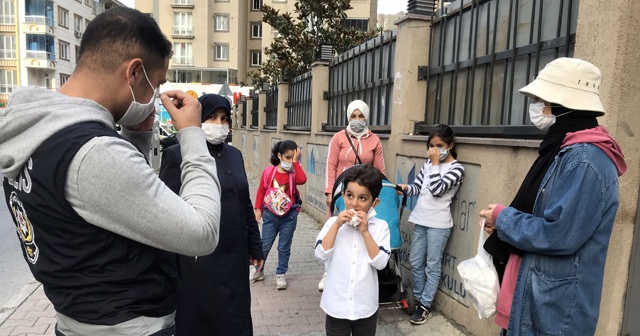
point(40, 40)
point(221, 40)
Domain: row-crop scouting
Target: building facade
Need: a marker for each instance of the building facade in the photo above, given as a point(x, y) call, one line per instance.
point(221, 40)
point(40, 40)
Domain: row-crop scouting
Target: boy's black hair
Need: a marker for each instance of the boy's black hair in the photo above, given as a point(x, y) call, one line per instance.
point(445, 133)
point(281, 147)
point(120, 34)
point(366, 176)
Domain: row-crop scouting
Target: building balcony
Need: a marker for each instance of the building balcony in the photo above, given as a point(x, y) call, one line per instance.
point(182, 60)
point(40, 59)
point(182, 32)
point(8, 63)
point(38, 25)
point(182, 3)
point(8, 28)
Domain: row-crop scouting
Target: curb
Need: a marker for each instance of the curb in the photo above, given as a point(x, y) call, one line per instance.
point(17, 300)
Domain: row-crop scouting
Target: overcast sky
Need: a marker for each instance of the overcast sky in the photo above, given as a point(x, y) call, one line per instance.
point(384, 6)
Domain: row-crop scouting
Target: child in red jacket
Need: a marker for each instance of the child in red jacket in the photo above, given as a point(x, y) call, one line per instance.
point(278, 204)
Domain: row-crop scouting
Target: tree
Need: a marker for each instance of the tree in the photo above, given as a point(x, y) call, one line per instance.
point(294, 48)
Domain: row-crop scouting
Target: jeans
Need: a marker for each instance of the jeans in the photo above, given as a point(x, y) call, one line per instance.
point(427, 243)
point(284, 226)
point(343, 327)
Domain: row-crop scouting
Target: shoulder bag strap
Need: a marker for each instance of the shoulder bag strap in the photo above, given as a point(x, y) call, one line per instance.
point(355, 151)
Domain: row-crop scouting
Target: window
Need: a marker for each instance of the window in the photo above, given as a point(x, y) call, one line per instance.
point(63, 78)
point(279, 1)
point(77, 24)
point(63, 50)
point(222, 22)
point(7, 47)
point(88, 3)
point(63, 17)
point(7, 81)
point(360, 24)
point(256, 5)
point(256, 30)
point(222, 52)
point(182, 24)
point(221, 1)
point(41, 46)
point(182, 2)
point(77, 53)
point(6, 12)
point(182, 54)
point(39, 12)
point(87, 22)
point(256, 58)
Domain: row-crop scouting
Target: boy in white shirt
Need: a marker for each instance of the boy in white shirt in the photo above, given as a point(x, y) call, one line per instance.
point(354, 245)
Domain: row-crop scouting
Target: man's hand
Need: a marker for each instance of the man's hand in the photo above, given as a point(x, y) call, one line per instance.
point(257, 263)
point(185, 111)
point(145, 126)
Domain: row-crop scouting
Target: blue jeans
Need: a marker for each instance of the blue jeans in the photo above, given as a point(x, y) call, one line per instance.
point(284, 226)
point(427, 243)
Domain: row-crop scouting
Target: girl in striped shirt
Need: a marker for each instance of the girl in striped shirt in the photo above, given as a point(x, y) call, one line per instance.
point(437, 183)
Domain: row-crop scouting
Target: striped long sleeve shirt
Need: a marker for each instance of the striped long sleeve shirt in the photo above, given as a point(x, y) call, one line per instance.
point(436, 186)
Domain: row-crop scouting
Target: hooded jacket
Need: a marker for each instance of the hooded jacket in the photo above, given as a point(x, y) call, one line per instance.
point(109, 185)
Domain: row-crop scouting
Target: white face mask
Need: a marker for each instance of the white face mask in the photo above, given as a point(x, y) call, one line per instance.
point(215, 133)
point(542, 121)
point(286, 165)
point(444, 152)
point(138, 112)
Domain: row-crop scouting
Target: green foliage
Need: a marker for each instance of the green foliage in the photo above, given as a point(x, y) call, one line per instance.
point(313, 23)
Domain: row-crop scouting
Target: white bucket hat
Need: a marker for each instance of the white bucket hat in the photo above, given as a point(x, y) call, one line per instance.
point(570, 82)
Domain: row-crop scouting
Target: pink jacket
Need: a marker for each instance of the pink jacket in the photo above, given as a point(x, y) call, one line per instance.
point(341, 155)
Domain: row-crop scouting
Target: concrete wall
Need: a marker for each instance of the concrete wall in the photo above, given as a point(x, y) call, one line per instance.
point(608, 35)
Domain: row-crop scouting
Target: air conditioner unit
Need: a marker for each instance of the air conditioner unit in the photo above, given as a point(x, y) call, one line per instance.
point(78, 34)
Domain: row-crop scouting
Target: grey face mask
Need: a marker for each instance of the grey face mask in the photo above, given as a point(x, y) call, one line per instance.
point(357, 125)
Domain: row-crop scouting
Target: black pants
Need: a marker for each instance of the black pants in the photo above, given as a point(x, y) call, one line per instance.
point(164, 332)
point(343, 327)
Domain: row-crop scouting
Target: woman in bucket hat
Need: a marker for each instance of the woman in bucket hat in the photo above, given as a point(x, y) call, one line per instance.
point(555, 234)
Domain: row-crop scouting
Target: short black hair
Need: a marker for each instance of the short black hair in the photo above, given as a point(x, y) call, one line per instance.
point(120, 34)
point(366, 176)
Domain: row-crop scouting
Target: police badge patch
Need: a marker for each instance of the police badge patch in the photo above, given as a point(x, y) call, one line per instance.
point(24, 228)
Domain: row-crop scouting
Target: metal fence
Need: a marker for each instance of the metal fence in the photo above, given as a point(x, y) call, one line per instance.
point(299, 105)
point(366, 73)
point(254, 109)
point(482, 52)
point(271, 108)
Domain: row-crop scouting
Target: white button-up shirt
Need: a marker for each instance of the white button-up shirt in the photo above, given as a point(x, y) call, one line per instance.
point(351, 287)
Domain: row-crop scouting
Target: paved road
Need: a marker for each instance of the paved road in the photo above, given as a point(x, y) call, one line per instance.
point(14, 272)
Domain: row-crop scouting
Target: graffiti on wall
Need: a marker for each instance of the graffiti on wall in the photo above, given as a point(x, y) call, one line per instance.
point(316, 169)
point(256, 157)
point(462, 242)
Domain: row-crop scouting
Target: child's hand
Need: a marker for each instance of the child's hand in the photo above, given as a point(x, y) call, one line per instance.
point(364, 222)
point(258, 213)
point(434, 156)
point(296, 155)
point(402, 187)
point(344, 217)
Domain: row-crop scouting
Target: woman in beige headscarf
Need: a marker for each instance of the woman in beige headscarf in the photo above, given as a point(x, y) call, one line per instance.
point(354, 145)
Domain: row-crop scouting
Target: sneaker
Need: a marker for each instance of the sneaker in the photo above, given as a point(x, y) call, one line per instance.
point(421, 315)
point(281, 282)
point(321, 283)
point(256, 276)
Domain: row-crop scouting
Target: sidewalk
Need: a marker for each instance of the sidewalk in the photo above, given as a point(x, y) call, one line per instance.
point(295, 311)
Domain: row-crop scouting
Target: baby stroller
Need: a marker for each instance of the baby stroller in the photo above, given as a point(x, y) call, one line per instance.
point(392, 294)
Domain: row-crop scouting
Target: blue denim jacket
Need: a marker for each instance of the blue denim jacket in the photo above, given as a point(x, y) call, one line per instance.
point(565, 242)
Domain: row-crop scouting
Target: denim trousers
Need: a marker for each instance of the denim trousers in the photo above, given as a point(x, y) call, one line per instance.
point(425, 257)
point(274, 225)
